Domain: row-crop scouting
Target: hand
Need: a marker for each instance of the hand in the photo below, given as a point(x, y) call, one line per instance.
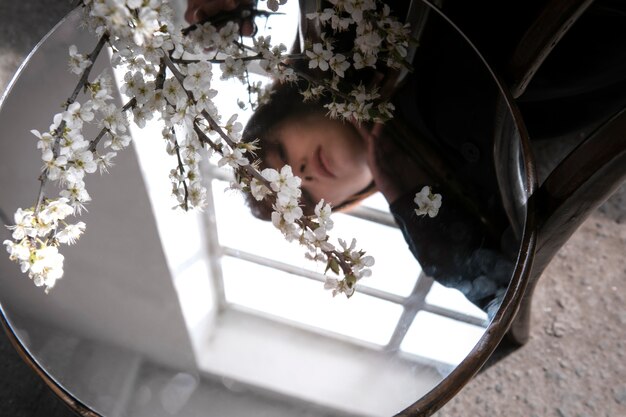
point(202, 10)
point(395, 173)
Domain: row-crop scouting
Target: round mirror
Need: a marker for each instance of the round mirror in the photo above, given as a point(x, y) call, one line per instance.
point(213, 313)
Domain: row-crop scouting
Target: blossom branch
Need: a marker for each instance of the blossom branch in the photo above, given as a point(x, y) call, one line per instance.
point(82, 82)
point(94, 142)
point(140, 34)
point(181, 170)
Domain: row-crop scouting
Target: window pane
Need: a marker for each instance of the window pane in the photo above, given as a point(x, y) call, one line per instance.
point(454, 300)
point(306, 301)
point(377, 201)
point(440, 338)
point(237, 228)
point(396, 270)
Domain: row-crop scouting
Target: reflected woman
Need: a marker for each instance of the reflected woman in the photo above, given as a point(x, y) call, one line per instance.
point(342, 163)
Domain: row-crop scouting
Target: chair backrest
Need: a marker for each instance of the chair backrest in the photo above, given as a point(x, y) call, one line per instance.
point(542, 36)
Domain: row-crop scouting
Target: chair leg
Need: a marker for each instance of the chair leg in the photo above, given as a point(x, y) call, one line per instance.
point(576, 187)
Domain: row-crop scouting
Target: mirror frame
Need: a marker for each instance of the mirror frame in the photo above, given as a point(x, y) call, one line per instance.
point(498, 327)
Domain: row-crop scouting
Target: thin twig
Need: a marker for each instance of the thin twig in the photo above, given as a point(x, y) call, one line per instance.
point(205, 139)
point(317, 82)
point(58, 133)
point(181, 169)
point(215, 60)
point(85, 76)
point(160, 78)
point(94, 142)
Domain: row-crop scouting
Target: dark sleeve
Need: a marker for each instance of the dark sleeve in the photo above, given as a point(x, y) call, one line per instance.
point(454, 250)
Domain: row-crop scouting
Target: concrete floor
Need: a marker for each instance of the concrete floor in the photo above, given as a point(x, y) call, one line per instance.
point(573, 366)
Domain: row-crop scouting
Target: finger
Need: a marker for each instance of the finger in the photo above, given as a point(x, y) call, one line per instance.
point(190, 13)
point(247, 28)
point(200, 10)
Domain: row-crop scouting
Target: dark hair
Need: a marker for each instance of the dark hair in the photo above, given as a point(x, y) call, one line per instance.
point(286, 103)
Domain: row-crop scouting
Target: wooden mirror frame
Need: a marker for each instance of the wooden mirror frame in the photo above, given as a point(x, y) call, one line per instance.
point(495, 332)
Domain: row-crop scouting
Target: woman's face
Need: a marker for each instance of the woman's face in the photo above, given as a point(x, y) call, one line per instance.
point(328, 155)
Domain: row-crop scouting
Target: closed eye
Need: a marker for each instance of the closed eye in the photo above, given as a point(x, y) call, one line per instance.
point(281, 152)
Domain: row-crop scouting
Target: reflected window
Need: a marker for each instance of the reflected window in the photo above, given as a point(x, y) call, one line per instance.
point(251, 267)
point(440, 338)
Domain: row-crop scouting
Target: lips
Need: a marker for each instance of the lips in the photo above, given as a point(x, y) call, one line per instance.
point(321, 164)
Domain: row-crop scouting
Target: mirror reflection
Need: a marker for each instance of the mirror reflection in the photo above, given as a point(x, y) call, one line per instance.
point(213, 313)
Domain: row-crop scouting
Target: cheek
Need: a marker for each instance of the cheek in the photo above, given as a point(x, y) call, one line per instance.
point(355, 171)
point(350, 152)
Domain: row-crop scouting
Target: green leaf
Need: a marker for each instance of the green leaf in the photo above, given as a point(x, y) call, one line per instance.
point(333, 265)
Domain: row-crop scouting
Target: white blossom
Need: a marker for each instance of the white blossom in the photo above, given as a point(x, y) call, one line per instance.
point(356, 8)
point(76, 115)
point(25, 224)
point(71, 233)
point(233, 158)
point(105, 161)
point(319, 57)
point(45, 140)
point(78, 62)
point(323, 211)
point(283, 180)
point(146, 25)
point(427, 202)
point(339, 64)
point(289, 229)
point(363, 60)
point(117, 142)
point(18, 251)
point(289, 209)
point(232, 68)
point(113, 119)
point(198, 76)
point(197, 195)
point(76, 193)
point(338, 287)
point(318, 238)
point(258, 189)
point(46, 267)
point(55, 210)
point(53, 166)
point(233, 128)
point(83, 160)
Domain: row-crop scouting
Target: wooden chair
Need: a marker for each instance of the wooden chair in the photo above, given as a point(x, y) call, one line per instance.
point(543, 216)
point(589, 174)
point(541, 38)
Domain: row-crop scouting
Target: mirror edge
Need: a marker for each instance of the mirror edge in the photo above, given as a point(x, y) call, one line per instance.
point(436, 398)
point(66, 397)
